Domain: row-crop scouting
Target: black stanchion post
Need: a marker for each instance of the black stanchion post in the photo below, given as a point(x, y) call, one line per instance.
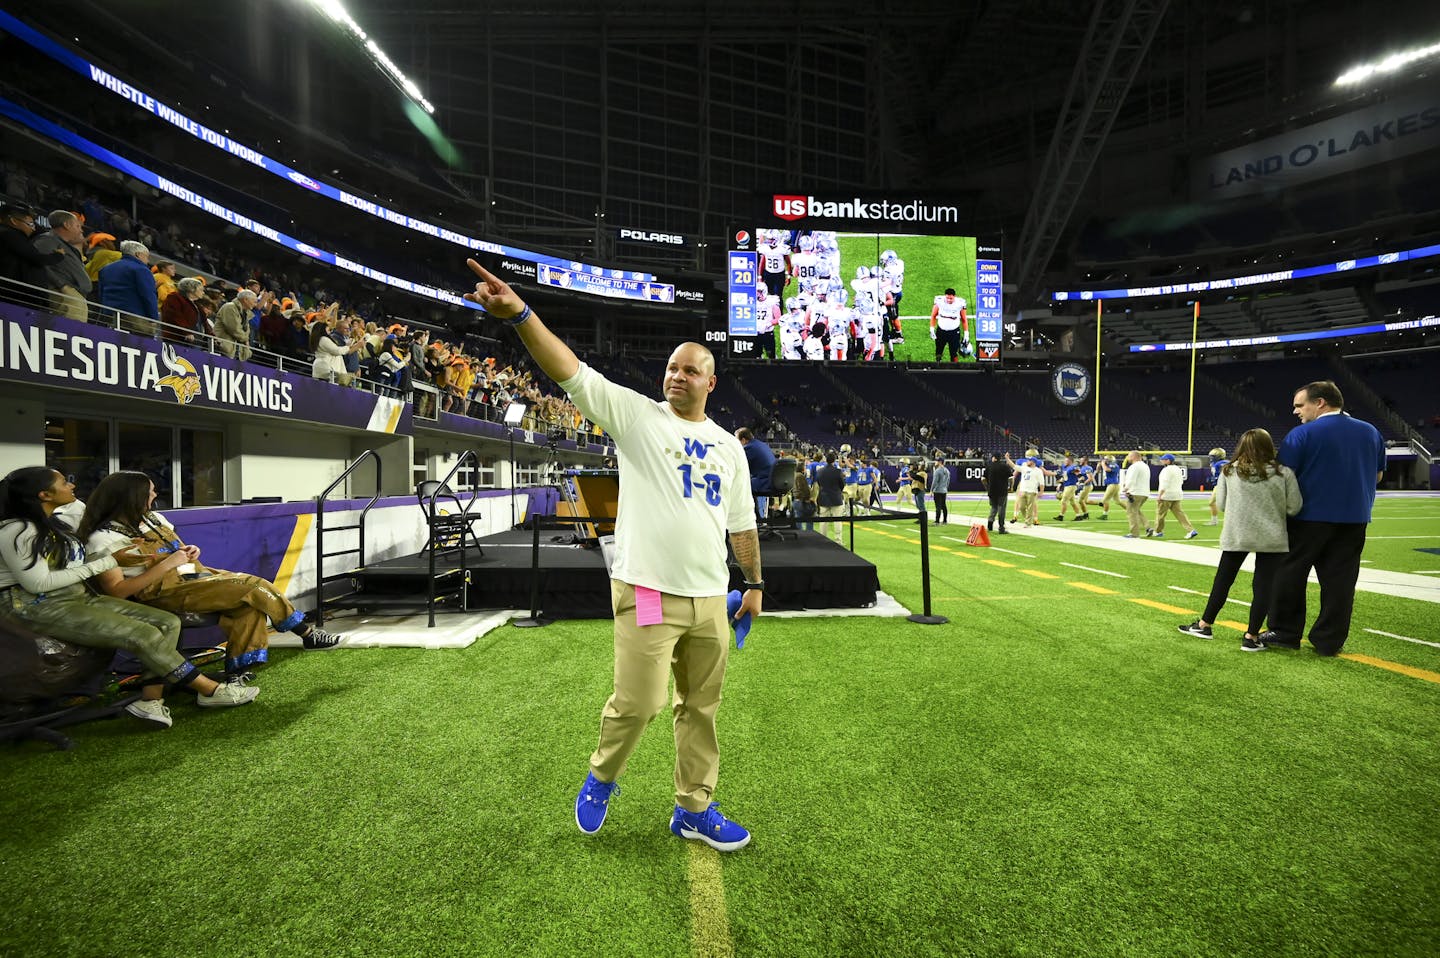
point(850, 504)
point(927, 618)
point(533, 621)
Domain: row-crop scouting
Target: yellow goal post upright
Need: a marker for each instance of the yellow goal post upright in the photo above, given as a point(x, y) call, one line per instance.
point(1194, 346)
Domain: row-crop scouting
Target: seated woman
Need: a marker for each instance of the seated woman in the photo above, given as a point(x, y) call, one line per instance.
point(42, 586)
point(118, 511)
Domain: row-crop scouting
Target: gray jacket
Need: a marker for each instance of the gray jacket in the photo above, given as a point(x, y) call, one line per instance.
point(68, 272)
point(940, 480)
point(1255, 510)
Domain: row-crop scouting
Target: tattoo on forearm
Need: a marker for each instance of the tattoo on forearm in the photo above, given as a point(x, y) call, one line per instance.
point(746, 546)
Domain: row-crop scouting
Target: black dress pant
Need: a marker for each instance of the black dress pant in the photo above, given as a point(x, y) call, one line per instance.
point(1333, 550)
point(1261, 587)
point(942, 511)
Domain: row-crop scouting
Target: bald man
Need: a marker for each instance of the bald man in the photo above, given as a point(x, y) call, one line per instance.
point(684, 484)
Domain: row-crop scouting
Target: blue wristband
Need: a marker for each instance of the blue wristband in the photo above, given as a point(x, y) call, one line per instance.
point(521, 318)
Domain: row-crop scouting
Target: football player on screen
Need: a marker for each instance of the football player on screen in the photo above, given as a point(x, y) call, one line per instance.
point(792, 329)
point(805, 265)
point(949, 326)
point(767, 317)
point(892, 284)
point(838, 320)
point(867, 311)
point(774, 257)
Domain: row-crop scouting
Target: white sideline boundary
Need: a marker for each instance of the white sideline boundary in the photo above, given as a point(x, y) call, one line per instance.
point(458, 630)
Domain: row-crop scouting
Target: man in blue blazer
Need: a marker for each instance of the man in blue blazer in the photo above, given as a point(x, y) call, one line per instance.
point(1338, 461)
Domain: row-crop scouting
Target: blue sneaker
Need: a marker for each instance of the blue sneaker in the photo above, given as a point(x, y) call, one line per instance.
point(710, 827)
point(592, 803)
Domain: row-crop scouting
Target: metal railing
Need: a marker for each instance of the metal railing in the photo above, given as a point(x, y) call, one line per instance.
point(321, 579)
point(442, 535)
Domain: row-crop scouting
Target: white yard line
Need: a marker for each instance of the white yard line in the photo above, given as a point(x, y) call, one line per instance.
point(1179, 588)
point(1403, 638)
point(1097, 571)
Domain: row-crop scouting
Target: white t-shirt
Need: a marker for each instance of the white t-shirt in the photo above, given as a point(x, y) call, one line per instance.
point(1030, 478)
point(105, 541)
point(683, 485)
point(1137, 479)
point(17, 538)
point(1171, 478)
point(948, 315)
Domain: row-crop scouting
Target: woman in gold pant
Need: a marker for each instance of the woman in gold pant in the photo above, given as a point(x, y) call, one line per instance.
point(119, 509)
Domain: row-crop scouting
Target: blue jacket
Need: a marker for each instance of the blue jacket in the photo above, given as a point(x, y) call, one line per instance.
point(762, 463)
point(1336, 460)
point(128, 284)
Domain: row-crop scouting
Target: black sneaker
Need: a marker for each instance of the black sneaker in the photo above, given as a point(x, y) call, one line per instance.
point(1060, 518)
point(1197, 630)
point(1251, 644)
point(1273, 640)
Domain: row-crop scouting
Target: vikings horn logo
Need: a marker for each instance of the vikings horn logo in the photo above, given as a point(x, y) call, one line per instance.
point(183, 381)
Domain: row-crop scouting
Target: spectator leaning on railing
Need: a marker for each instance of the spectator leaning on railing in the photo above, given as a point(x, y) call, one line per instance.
point(164, 272)
point(102, 254)
point(68, 279)
point(128, 285)
point(19, 259)
point(180, 313)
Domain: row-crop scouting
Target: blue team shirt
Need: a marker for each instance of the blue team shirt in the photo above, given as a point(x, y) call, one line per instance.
point(1335, 459)
point(1087, 476)
point(1215, 468)
point(1068, 476)
point(1112, 474)
point(864, 476)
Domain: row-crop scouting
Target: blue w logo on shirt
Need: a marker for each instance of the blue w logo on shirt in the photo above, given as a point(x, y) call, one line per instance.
point(696, 448)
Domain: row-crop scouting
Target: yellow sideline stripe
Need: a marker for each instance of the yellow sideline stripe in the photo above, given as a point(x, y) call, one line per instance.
point(1237, 626)
point(1038, 574)
point(1410, 670)
point(709, 926)
point(1097, 589)
point(303, 524)
point(1001, 563)
point(1152, 604)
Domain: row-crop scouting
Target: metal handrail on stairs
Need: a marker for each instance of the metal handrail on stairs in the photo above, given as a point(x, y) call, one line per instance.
point(321, 579)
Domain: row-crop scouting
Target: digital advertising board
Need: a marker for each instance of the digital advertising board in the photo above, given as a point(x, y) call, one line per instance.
point(863, 279)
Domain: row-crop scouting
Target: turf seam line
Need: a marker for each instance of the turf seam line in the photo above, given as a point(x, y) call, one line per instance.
point(709, 925)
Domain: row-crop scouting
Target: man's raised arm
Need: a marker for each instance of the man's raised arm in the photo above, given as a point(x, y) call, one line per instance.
point(550, 353)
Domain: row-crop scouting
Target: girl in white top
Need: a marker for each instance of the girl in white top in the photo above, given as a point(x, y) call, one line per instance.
point(1256, 494)
point(42, 576)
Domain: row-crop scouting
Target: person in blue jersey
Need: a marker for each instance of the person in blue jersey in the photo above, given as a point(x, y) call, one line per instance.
point(864, 483)
point(1338, 461)
point(877, 479)
point(1110, 480)
point(1083, 487)
point(903, 493)
point(1218, 462)
point(1069, 483)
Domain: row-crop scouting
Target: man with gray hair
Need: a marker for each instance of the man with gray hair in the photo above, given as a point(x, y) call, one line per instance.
point(68, 277)
point(232, 325)
point(128, 286)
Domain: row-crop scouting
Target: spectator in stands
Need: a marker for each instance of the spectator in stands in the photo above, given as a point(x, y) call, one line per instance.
point(330, 349)
point(19, 259)
point(180, 312)
point(462, 380)
point(68, 279)
point(1135, 487)
point(761, 460)
point(164, 272)
point(1171, 498)
point(232, 325)
point(1338, 461)
point(118, 512)
point(1257, 494)
point(42, 579)
point(274, 327)
point(103, 252)
point(128, 286)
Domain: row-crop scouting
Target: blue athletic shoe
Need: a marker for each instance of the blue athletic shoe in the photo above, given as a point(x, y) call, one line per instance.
point(592, 803)
point(710, 827)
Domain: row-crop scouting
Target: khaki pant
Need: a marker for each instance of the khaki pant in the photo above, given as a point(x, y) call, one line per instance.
point(246, 604)
point(1067, 501)
point(1171, 507)
point(833, 530)
point(692, 643)
point(1135, 511)
point(1026, 506)
point(1112, 494)
point(229, 347)
point(68, 302)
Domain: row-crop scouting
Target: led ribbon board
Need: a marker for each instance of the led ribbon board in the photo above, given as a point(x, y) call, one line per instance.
point(239, 220)
point(1239, 282)
point(224, 143)
point(1366, 330)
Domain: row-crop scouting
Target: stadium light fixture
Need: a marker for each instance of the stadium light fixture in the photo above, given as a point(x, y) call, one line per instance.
point(1390, 64)
point(336, 11)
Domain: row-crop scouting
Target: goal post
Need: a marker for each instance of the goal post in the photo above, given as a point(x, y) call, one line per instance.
point(1194, 348)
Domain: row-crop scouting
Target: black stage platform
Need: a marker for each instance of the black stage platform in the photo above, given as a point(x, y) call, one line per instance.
point(808, 572)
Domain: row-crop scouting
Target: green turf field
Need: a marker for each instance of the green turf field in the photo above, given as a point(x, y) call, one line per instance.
point(1055, 772)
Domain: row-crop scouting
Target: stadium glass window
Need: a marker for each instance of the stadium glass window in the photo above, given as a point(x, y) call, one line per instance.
point(78, 447)
point(202, 467)
point(148, 448)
